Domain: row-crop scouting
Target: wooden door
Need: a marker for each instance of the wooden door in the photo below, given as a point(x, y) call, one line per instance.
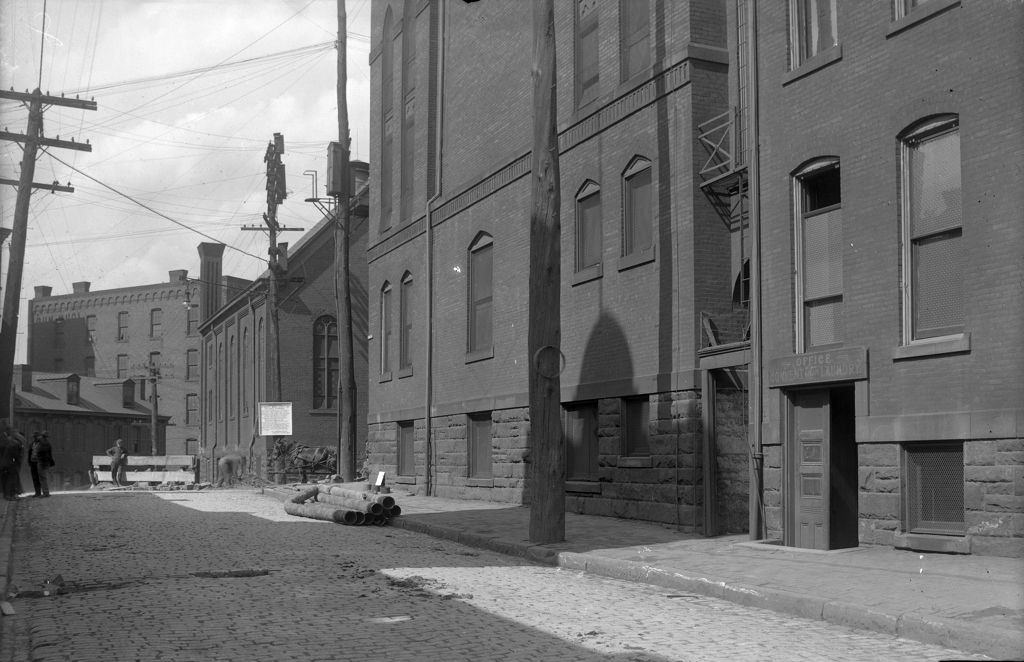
point(809, 466)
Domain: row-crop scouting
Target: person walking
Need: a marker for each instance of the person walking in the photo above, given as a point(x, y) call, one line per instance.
point(40, 461)
point(118, 459)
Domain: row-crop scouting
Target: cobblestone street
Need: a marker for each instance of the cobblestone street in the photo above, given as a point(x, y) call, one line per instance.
point(227, 575)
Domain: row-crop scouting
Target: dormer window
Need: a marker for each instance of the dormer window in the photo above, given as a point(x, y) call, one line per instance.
point(72, 390)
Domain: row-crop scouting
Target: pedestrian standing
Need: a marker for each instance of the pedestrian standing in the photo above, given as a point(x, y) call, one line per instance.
point(118, 459)
point(10, 456)
point(40, 461)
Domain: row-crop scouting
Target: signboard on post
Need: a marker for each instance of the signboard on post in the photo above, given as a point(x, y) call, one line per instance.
point(275, 419)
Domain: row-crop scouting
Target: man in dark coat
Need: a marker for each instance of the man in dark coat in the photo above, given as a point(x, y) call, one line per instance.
point(40, 461)
point(10, 461)
point(118, 460)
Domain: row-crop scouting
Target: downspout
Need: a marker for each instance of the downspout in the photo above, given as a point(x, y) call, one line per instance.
point(756, 521)
point(428, 394)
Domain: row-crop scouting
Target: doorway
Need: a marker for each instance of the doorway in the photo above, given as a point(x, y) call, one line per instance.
point(822, 469)
point(727, 459)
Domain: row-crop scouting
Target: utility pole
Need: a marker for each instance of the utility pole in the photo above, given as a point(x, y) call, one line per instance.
point(32, 140)
point(342, 286)
point(154, 375)
point(547, 446)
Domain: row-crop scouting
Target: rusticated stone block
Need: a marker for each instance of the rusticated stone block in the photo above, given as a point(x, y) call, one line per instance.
point(980, 452)
point(878, 455)
point(879, 506)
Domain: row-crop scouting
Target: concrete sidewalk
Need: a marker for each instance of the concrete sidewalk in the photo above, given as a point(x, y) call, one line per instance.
point(970, 603)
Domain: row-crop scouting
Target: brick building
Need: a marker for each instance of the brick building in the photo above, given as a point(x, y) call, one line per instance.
point(119, 334)
point(237, 345)
point(83, 416)
point(891, 240)
point(652, 273)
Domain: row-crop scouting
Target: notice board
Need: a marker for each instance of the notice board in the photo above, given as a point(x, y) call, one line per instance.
point(275, 419)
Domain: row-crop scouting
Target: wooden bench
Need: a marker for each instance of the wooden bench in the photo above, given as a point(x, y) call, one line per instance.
point(149, 469)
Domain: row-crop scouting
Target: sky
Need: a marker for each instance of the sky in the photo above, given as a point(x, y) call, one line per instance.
point(189, 94)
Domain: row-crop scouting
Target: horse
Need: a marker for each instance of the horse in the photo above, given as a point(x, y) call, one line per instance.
point(310, 459)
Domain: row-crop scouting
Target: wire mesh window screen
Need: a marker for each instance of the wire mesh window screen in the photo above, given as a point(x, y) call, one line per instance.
point(934, 488)
point(938, 285)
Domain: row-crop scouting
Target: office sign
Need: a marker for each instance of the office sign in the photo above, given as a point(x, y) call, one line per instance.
point(275, 419)
point(830, 365)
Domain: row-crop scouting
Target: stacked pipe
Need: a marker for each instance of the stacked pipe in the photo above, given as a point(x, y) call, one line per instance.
point(335, 504)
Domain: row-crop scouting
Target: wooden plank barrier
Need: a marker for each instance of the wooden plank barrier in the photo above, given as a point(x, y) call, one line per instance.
point(150, 469)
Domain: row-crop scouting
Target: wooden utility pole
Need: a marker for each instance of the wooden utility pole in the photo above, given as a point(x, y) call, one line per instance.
point(547, 447)
point(154, 428)
point(342, 286)
point(31, 139)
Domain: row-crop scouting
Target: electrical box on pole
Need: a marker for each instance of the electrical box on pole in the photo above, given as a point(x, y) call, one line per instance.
point(335, 169)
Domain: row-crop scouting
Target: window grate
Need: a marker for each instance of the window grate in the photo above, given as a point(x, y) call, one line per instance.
point(934, 488)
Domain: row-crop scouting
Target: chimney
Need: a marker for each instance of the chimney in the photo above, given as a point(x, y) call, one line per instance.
point(210, 290)
point(23, 377)
point(178, 275)
point(81, 287)
point(43, 291)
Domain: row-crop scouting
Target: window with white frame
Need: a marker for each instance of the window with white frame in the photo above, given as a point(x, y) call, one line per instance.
point(481, 294)
point(385, 329)
point(122, 325)
point(933, 260)
point(156, 322)
point(813, 29)
point(191, 365)
point(588, 226)
point(638, 208)
point(634, 37)
point(587, 77)
point(122, 366)
point(819, 236)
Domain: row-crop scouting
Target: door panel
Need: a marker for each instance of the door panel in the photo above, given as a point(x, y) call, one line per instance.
point(809, 450)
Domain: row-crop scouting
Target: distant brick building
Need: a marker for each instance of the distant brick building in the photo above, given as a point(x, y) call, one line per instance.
point(237, 338)
point(83, 416)
point(652, 276)
point(119, 334)
point(890, 191)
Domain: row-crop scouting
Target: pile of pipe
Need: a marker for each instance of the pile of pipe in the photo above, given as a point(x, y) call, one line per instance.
point(344, 506)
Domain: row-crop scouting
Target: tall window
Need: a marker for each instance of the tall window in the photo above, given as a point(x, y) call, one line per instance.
point(90, 327)
point(90, 366)
point(325, 363)
point(244, 364)
point(406, 457)
point(191, 409)
point(581, 441)
point(232, 377)
point(481, 292)
point(480, 445)
point(211, 379)
point(813, 28)
point(588, 226)
point(191, 365)
point(638, 221)
point(154, 363)
point(634, 37)
point(405, 323)
point(586, 52)
point(933, 259)
point(820, 260)
point(156, 322)
point(122, 326)
point(122, 366)
point(408, 106)
point(635, 414)
point(387, 64)
point(192, 318)
point(385, 329)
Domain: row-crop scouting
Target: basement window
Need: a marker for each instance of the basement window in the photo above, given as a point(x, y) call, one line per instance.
point(933, 488)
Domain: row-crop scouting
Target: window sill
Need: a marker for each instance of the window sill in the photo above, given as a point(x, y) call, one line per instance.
point(636, 259)
point(583, 486)
point(813, 64)
point(933, 347)
point(634, 462)
point(405, 372)
point(927, 542)
point(918, 15)
point(479, 482)
point(323, 412)
point(588, 274)
point(480, 355)
point(385, 377)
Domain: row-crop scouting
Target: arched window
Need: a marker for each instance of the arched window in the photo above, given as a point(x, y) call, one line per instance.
point(385, 329)
point(244, 364)
point(481, 292)
point(405, 323)
point(932, 229)
point(819, 244)
point(637, 210)
point(588, 226)
point(325, 363)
